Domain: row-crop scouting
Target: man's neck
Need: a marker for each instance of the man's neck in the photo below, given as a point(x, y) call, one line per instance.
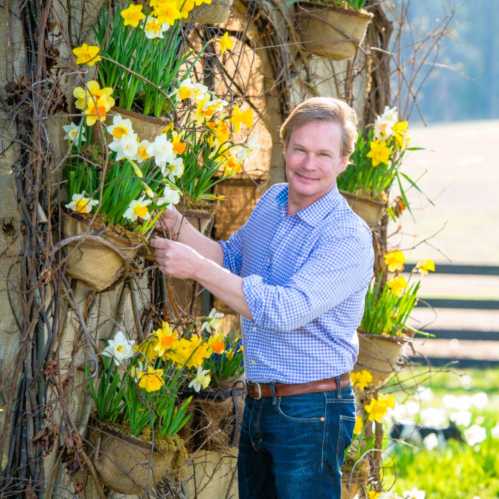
point(298, 203)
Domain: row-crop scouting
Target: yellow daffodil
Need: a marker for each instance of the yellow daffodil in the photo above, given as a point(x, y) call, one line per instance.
point(178, 146)
point(425, 266)
point(397, 285)
point(87, 54)
point(165, 339)
point(359, 425)
point(372, 494)
point(241, 117)
point(217, 343)
point(361, 379)
point(92, 92)
point(132, 15)
point(147, 349)
point(379, 152)
point(80, 203)
point(395, 260)
point(189, 353)
point(220, 130)
point(225, 43)
point(400, 131)
point(231, 166)
point(152, 380)
point(166, 11)
point(377, 408)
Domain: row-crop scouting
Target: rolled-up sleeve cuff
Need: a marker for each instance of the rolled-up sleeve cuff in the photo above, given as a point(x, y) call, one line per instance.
point(231, 261)
point(253, 294)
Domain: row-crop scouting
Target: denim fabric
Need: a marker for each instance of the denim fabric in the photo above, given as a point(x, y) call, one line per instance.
point(292, 447)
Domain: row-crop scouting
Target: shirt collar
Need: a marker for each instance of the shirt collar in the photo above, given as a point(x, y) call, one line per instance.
point(317, 211)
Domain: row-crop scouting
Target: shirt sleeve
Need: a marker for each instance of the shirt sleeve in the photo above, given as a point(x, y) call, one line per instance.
point(232, 251)
point(334, 271)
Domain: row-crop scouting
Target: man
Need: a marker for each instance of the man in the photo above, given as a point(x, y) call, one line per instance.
point(297, 272)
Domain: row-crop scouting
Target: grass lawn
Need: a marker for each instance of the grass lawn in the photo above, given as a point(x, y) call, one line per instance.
point(455, 470)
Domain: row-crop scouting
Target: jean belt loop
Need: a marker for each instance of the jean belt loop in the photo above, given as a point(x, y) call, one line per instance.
point(272, 389)
point(338, 386)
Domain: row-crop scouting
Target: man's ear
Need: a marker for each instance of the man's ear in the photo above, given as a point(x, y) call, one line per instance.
point(343, 163)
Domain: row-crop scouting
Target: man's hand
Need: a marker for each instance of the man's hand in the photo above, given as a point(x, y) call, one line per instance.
point(176, 259)
point(170, 220)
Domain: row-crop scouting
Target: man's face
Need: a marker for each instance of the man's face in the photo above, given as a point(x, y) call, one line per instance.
point(313, 161)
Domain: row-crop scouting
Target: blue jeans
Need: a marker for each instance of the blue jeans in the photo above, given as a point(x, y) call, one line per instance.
point(292, 447)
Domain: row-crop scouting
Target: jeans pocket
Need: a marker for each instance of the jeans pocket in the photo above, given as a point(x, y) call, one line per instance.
point(302, 410)
point(345, 435)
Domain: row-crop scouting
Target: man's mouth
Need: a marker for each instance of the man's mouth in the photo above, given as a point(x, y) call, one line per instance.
point(304, 177)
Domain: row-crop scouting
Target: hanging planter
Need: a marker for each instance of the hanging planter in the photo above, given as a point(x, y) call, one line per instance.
point(215, 13)
point(370, 210)
point(129, 465)
point(217, 414)
point(98, 261)
point(354, 479)
point(330, 31)
point(146, 127)
point(380, 355)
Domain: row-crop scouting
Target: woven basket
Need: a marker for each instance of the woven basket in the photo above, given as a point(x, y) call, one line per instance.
point(354, 480)
point(380, 355)
point(215, 13)
point(370, 210)
point(99, 262)
point(131, 466)
point(331, 31)
point(146, 127)
point(216, 417)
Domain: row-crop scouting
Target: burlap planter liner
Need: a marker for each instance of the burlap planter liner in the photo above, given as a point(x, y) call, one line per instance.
point(215, 13)
point(370, 210)
point(146, 127)
point(354, 480)
point(379, 355)
point(132, 466)
point(89, 260)
point(216, 418)
point(331, 31)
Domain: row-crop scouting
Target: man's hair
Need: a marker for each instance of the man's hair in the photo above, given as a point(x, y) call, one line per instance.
point(324, 109)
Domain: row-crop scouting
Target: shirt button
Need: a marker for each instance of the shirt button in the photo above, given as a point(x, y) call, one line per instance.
point(252, 362)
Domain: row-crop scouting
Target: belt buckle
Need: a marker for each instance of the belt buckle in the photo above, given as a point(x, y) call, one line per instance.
point(259, 391)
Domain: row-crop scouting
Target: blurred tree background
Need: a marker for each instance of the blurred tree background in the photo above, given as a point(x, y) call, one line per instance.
point(465, 82)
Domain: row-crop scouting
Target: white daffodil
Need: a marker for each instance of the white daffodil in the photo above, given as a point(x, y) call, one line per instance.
point(201, 380)
point(174, 169)
point(154, 29)
point(414, 494)
point(81, 203)
point(125, 148)
point(191, 90)
point(138, 209)
point(479, 400)
point(145, 151)
point(495, 431)
point(461, 418)
point(431, 441)
point(120, 348)
point(74, 133)
point(169, 197)
point(383, 126)
point(434, 417)
point(212, 322)
point(120, 127)
point(475, 434)
point(162, 150)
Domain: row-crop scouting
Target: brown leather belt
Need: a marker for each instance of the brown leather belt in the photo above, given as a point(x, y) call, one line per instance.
point(262, 390)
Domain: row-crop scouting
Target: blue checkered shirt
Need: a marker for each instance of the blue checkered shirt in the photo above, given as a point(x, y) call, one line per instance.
point(305, 278)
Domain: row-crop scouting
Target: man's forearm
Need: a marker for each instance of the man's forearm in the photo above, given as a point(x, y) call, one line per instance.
point(188, 234)
point(224, 285)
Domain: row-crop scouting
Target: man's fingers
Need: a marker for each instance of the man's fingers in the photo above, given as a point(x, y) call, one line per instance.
point(160, 242)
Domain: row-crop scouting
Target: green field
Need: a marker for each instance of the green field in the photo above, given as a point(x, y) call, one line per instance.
point(456, 470)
